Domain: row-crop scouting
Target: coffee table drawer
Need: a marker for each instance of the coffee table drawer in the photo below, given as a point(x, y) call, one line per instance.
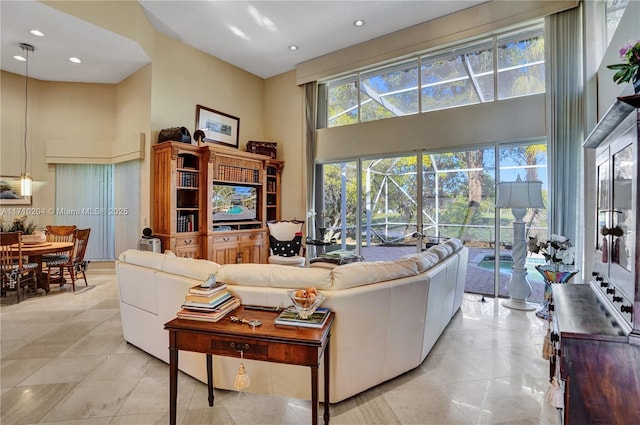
point(232, 347)
point(223, 346)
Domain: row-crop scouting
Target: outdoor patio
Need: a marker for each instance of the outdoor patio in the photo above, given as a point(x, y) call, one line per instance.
point(479, 279)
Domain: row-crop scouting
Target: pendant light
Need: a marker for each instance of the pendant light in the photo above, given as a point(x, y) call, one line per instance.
point(26, 182)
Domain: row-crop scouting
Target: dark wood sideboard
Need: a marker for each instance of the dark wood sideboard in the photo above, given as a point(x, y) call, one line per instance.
point(597, 324)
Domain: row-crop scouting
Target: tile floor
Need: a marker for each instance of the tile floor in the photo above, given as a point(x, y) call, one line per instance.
point(64, 362)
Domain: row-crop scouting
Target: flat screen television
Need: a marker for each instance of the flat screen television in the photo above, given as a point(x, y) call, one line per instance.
point(234, 202)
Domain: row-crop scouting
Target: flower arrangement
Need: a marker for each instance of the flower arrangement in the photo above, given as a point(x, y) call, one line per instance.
point(630, 70)
point(556, 251)
point(19, 224)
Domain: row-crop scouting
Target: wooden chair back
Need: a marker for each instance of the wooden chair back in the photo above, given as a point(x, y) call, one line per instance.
point(61, 233)
point(80, 246)
point(11, 258)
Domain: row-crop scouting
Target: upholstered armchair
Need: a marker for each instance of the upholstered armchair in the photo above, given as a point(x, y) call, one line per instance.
point(285, 242)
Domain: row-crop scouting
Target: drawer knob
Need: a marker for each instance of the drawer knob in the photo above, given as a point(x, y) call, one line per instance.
point(225, 239)
point(240, 346)
point(617, 299)
point(611, 291)
point(626, 308)
point(187, 242)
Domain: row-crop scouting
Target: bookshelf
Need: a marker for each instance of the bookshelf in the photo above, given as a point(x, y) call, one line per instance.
point(177, 194)
point(273, 173)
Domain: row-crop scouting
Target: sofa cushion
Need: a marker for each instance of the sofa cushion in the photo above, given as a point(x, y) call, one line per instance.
point(454, 243)
point(323, 265)
point(442, 251)
point(189, 267)
point(274, 276)
point(359, 274)
point(143, 258)
point(424, 260)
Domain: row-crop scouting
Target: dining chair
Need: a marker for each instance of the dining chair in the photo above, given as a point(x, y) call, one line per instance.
point(13, 269)
point(75, 264)
point(59, 234)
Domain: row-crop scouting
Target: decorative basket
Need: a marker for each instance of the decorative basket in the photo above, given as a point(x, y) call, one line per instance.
point(263, 148)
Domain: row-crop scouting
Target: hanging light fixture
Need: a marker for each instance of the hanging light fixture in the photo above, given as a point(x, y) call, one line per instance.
point(26, 182)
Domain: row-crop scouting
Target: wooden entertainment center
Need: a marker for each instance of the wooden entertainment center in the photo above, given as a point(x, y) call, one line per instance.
point(214, 202)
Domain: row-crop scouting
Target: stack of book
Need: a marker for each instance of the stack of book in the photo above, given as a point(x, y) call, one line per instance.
point(290, 317)
point(208, 304)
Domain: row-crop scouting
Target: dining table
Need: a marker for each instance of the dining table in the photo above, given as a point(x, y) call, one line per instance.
point(37, 250)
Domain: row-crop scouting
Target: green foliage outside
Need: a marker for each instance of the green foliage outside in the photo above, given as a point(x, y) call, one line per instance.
point(459, 208)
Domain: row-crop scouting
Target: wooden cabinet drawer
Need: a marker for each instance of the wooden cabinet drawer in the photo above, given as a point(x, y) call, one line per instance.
point(187, 241)
point(225, 239)
point(251, 237)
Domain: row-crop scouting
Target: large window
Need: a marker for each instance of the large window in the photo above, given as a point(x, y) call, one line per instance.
point(614, 9)
point(497, 67)
point(457, 78)
point(389, 92)
point(373, 207)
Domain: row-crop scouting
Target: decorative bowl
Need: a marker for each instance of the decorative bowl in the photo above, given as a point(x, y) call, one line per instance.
point(305, 306)
point(33, 239)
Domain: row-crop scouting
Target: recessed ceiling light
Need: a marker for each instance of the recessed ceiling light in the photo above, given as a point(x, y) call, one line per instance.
point(75, 60)
point(358, 23)
point(293, 47)
point(19, 58)
point(37, 32)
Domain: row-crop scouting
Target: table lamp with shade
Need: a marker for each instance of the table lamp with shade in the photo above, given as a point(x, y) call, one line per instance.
point(519, 195)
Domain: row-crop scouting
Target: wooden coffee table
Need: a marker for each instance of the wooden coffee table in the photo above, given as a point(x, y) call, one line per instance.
point(268, 342)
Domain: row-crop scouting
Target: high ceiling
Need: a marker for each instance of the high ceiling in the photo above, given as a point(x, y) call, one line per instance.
point(252, 35)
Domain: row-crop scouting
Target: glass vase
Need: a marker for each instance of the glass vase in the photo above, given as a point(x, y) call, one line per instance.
point(553, 273)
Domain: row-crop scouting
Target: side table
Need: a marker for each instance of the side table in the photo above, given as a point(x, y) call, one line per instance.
point(269, 342)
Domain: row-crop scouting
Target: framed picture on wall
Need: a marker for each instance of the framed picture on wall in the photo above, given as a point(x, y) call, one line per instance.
point(217, 126)
point(10, 192)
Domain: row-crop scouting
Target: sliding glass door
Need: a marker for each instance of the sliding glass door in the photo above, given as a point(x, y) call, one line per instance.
point(336, 210)
point(372, 207)
point(389, 207)
point(459, 202)
point(529, 162)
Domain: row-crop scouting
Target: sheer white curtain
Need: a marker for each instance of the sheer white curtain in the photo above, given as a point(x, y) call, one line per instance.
point(127, 204)
point(84, 197)
point(565, 116)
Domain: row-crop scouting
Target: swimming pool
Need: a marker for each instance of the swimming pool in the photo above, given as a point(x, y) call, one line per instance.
point(488, 262)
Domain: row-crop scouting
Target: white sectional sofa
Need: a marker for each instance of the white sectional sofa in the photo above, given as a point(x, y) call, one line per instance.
point(389, 314)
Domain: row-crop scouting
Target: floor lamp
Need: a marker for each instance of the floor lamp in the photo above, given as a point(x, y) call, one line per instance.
point(519, 195)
